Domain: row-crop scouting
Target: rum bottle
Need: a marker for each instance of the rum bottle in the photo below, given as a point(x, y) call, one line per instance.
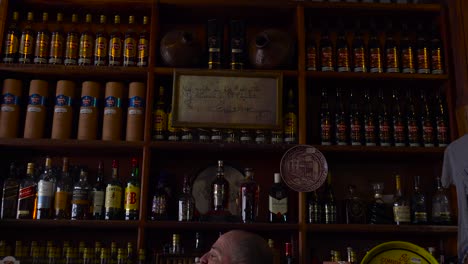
point(342, 51)
point(359, 51)
point(173, 132)
point(98, 194)
point(422, 51)
point(72, 43)
point(290, 120)
point(384, 122)
point(370, 123)
point(113, 200)
point(426, 121)
point(315, 208)
point(326, 51)
point(355, 120)
point(278, 201)
point(186, 202)
point(100, 43)
point(237, 44)
point(392, 60)
point(437, 61)
point(160, 118)
point(10, 194)
point(311, 50)
point(130, 44)
point(27, 195)
point(325, 120)
point(85, 54)
point(340, 124)
point(412, 125)
point(63, 193)
point(418, 204)
point(329, 203)
point(442, 121)
point(132, 193)
point(45, 191)
point(401, 207)
point(441, 209)
point(143, 45)
point(399, 127)
point(115, 44)
point(81, 198)
point(10, 50)
point(355, 207)
point(215, 44)
point(220, 191)
point(159, 208)
point(375, 51)
point(26, 43)
point(248, 197)
point(407, 51)
point(41, 53)
point(57, 42)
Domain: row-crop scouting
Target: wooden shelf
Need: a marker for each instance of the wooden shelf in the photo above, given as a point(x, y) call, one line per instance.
point(169, 71)
point(89, 4)
point(215, 226)
point(219, 147)
point(80, 224)
point(357, 7)
point(376, 76)
point(402, 229)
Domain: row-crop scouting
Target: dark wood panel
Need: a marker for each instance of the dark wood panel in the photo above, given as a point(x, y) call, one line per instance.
point(376, 76)
point(218, 226)
point(79, 224)
point(376, 229)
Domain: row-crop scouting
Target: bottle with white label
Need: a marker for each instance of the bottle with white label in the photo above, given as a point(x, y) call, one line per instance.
point(63, 111)
point(401, 207)
point(278, 201)
point(36, 109)
point(45, 191)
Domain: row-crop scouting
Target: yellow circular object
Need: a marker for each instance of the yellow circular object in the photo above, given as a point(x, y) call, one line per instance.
point(398, 252)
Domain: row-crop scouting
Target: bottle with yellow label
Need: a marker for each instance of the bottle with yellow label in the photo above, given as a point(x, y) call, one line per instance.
point(130, 44)
point(57, 42)
point(10, 50)
point(72, 43)
point(132, 193)
point(160, 118)
point(85, 54)
point(115, 44)
point(41, 52)
point(143, 45)
point(100, 45)
point(290, 120)
point(113, 199)
point(26, 44)
point(173, 132)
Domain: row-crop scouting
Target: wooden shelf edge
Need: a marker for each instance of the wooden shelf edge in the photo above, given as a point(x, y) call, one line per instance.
point(402, 229)
point(428, 8)
point(390, 150)
point(88, 224)
point(69, 143)
point(220, 226)
point(195, 146)
point(169, 71)
point(376, 76)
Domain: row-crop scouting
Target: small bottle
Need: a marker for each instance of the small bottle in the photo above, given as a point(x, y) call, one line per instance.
point(340, 124)
point(441, 208)
point(355, 121)
point(329, 203)
point(85, 54)
point(57, 41)
point(355, 207)
point(160, 118)
point(216, 135)
point(422, 51)
point(186, 202)
point(173, 132)
point(412, 124)
point(311, 49)
point(27, 194)
point(11, 45)
point(130, 44)
point(384, 122)
point(326, 51)
point(407, 50)
point(442, 121)
point(237, 44)
point(115, 44)
point(314, 208)
point(10, 194)
point(290, 120)
point(81, 198)
point(186, 134)
point(220, 191)
point(245, 136)
point(230, 136)
point(288, 255)
point(392, 60)
point(325, 120)
point(375, 51)
point(45, 191)
point(143, 45)
point(104, 256)
point(342, 50)
point(215, 44)
point(130, 256)
point(203, 135)
point(437, 58)
point(113, 200)
point(72, 43)
point(260, 137)
point(399, 126)
point(248, 197)
point(278, 201)
point(277, 136)
point(359, 51)
point(401, 207)
point(159, 208)
point(175, 247)
point(418, 204)
point(351, 255)
point(132, 193)
point(426, 122)
point(63, 193)
point(101, 43)
point(26, 43)
point(141, 256)
point(370, 121)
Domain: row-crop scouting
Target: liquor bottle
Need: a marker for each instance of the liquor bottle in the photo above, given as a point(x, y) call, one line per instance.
point(57, 42)
point(130, 44)
point(115, 44)
point(276, 254)
point(422, 51)
point(173, 132)
point(427, 123)
point(85, 54)
point(378, 209)
point(98, 194)
point(26, 44)
point(326, 51)
point(278, 201)
point(175, 245)
point(160, 118)
point(113, 253)
point(10, 50)
point(399, 127)
point(220, 191)
point(45, 191)
point(132, 193)
point(329, 203)
point(10, 194)
point(342, 50)
point(72, 43)
point(143, 45)
point(141, 256)
point(81, 198)
point(41, 52)
point(113, 200)
point(355, 120)
point(351, 255)
point(442, 121)
point(186, 202)
point(100, 43)
point(290, 120)
point(401, 207)
point(441, 209)
point(359, 51)
point(418, 204)
point(215, 44)
point(159, 208)
point(340, 124)
point(355, 207)
point(412, 126)
point(384, 122)
point(237, 44)
point(325, 119)
point(370, 120)
point(392, 60)
point(311, 49)
point(248, 197)
point(27, 194)
point(288, 255)
point(63, 193)
point(375, 51)
point(260, 137)
point(315, 208)
point(437, 60)
point(407, 51)
point(245, 136)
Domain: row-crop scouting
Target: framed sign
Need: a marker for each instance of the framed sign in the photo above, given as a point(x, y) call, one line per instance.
point(227, 99)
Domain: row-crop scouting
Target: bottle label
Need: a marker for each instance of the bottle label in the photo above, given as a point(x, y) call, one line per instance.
point(71, 49)
point(37, 99)
point(61, 200)
point(9, 99)
point(290, 123)
point(420, 217)
point(11, 44)
point(436, 61)
point(113, 197)
point(26, 45)
point(311, 59)
point(343, 60)
point(27, 192)
point(340, 131)
point(384, 133)
point(115, 51)
point(369, 129)
point(132, 197)
point(355, 132)
point(80, 197)
point(399, 133)
point(143, 44)
point(428, 133)
point(407, 60)
point(413, 133)
point(330, 214)
point(160, 120)
point(97, 202)
point(130, 48)
point(375, 60)
point(112, 101)
point(100, 47)
point(62, 100)
point(327, 59)
point(86, 48)
point(442, 133)
point(88, 101)
point(136, 102)
point(10, 192)
point(219, 193)
point(423, 60)
point(56, 47)
point(359, 60)
point(45, 192)
point(401, 214)
point(315, 213)
point(392, 60)
point(159, 205)
point(278, 206)
point(42, 48)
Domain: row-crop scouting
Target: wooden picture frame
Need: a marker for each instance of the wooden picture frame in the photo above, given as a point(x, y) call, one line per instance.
point(227, 99)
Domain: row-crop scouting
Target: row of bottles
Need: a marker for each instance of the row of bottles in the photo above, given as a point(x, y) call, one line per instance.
point(51, 45)
point(53, 196)
point(163, 129)
point(323, 207)
point(366, 54)
point(384, 120)
point(68, 109)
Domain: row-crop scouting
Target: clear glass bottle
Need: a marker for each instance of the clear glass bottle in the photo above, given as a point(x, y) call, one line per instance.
point(315, 208)
point(81, 198)
point(186, 202)
point(113, 200)
point(115, 44)
point(220, 191)
point(401, 206)
point(85, 53)
point(329, 203)
point(27, 194)
point(325, 119)
point(11, 45)
point(159, 208)
point(10, 194)
point(57, 42)
point(98, 194)
point(248, 197)
point(418, 204)
point(130, 44)
point(143, 45)
point(45, 191)
point(41, 51)
point(63, 193)
point(26, 43)
point(355, 207)
point(441, 208)
point(278, 201)
point(377, 208)
point(132, 193)
point(72, 43)
point(101, 43)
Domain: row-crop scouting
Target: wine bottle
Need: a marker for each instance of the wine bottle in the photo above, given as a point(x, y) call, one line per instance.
point(401, 207)
point(278, 201)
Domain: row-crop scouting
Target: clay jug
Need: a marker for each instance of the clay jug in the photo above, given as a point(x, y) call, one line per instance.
point(270, 49)
point(180, 49)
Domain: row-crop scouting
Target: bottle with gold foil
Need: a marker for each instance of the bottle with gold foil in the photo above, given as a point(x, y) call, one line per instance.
point(342, 50)
point(26, 44)
point(237, 44)
point(143, 45)
point(326, 50)
point(392, 60)
point(10, 49)
point(72, 43)
point(132, 193)
point(401, 205)
point(10, 108)
point(100, 43)
point(437, 66)
point(422, 50)
point(27, 194)
point(41, 52)
point(215, 44)
point(57, 42)
point(359, 51)
point(407, 51)
point(130, 44)
point(115, 44)
point(63, 193)
point(290, 120)
point(173, 132)
point(113, 201)
point(375, 51)
point(160, 117)
point(85, 53)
